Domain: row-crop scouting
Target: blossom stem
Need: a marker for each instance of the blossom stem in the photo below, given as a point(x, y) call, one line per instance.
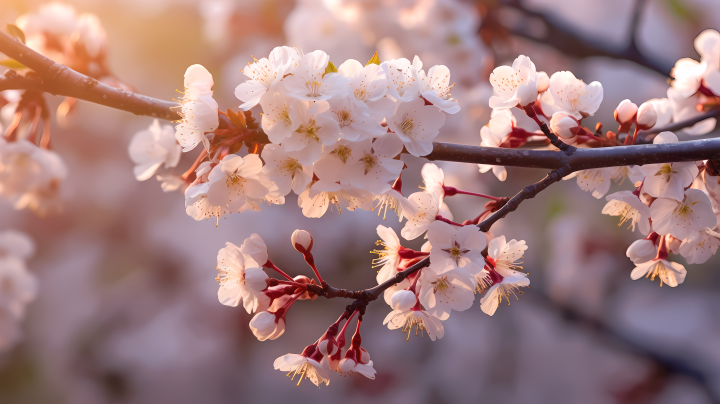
point(448, 221)
point(203, 154)
point(311, 262)
point(270, 265)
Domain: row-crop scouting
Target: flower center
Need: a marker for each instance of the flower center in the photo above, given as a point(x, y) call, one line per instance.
point(413, 321)
point(345, 118)
point(291, 164)
point(684, 210)
point(310, 130)
point(440, 285)
point(361, 93)
point(456, 252)
point(407, 126)
point(342, 152)
point(234, 179)
point(370, 161)
point(666, 169)
point(313, 88)
point(285, 116)
point(507, 289)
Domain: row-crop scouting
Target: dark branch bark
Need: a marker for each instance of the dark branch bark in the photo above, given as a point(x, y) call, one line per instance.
point(58, 79)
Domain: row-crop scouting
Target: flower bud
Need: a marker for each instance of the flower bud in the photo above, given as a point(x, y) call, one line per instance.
point(626, 112)
point(564, 125)
point(347, 364)
point(665, 137)
point(543, 82)
point(641, 251)
point(302, 241)
point(304, 279)
point(327, 347)
point(646, 116)
point(403, 300)
point(263, 325)
point(527, 94)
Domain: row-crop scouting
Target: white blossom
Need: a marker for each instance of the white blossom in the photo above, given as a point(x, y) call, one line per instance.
point(440, 293)
point(241, 278)
point(435, 88)
point(267, 326)
point(647, 117)
point(670, 273)
point(316, 200)
point(427, 208)
point(682, 219)
point(303, 366)
point(505, 255)
point(626, 112)
point(310, 82)
point(508, 286)
point(199, 109)
point(355, 121)
point(700, 246)
point(417, 125)
point(455, 247)
point(642, 250)
point(153, 147)
point(264, 72)
point(402, 79)
point(514, 85)
point(668, 180)
point(285, 171)
point(421, 320)
point(276, 116)
point(571, 95)
point(595, 180)
point(493, 134)
point(630, 208)
point(316, 126)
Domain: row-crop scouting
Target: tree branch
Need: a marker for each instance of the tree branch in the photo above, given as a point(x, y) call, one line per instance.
point(58, 79)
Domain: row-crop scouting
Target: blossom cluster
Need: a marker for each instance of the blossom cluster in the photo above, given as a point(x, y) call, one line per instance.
point(18, 286)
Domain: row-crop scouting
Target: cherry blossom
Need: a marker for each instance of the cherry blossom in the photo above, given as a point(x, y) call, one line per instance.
point(276, 117)
point(421, 320)
point(241, 278)
point(435, 88)
point(505, 256)
point(310, 82)
point(153, 147)
point(16, 244)
point(267, 325)
point(686, 108)
point(368, 84)
point(643, 250)
point(668, 180)
point(264, 72)
point(316, 200)
point(199, 109)
point(573, 96)
point(355, 121)
point(427, 208)
point(440, 293)
point(628, 206)
point(682, 219)
point(417, 125)
point(502, 287)
point(389, 257)
point(402, 78)
point(596, 180)
point(514, 85)
point(376, 164)
point(626, 112)
point(663, 110)
point(285, 171)
point(493, 134)
point(670, 273)
point(316, 126)
point(455, 247)
point(647, 117)
point(304, 367)
point(700, 246)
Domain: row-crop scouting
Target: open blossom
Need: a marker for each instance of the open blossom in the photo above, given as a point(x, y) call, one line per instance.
point(402, 78)
point(643, 250)
point(360, 365)
point(630, 208)
point(433, 179)
point(18, 287)
point(285, 171)
point(264, 72)
point(16, 244)
point(276, 117)
point(700, 246)
point(199, 109)
point(322, 195)
point(421, 320)
point(505, 255)
point(440, 293)
point(241, 278)
point(595, 180)
point(682, 219)
point(670, 273)
point(310, 82)
point(572, 96)
point(417, 125)
point(455, 247)
point(395, 201)
point(316, 126)
point(304, 367)
point(435, 88)
point(493, 134)
point(153, 147)
point(514, 85)
point(668, 180)
point(368, 85)
point(708, 46)
point(388, 258)
point(684, 108)
point(502, 287)
point(355, 121)
point(428, 206)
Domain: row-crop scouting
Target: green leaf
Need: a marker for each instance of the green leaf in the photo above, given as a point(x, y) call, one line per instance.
point(375, 60)
point(12, 64)
point(16, 32)
point(330, 68)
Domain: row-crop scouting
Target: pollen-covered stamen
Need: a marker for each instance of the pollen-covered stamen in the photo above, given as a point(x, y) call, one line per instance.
point(291, 165)
point(660, 270)
point(628, 213)
point(260, 71)
point(684, 210)
point(456, 252)
point(313, 88)
point(440, 285)
point(361, 93)
point(306, 371)
point(483, 282)
point(407, 126)
point(507, 289)
point(234, 179)
point(370, 161)
point(382, 254)
point(413, 321)
point(387, 201)
point(285, 116)
point(310, 130)
point(345, 118)
point(666, 169)
point(342, 152)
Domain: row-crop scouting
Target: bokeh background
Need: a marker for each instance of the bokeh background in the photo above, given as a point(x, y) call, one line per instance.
point(127, 309)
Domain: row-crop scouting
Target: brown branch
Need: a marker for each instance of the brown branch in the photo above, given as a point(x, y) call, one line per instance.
point(58, 79)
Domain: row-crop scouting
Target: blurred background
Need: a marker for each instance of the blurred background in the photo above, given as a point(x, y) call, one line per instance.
point(127, 309)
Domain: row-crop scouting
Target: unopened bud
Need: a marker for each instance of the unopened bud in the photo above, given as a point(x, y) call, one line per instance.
point(665, 137)
point(263, 325)
point(564, 125)
point(327, 347)
point(646, 116)
point(403, 300)
point(543, 82)
point(302, 241)
point(641, 251)
point(625, 112)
